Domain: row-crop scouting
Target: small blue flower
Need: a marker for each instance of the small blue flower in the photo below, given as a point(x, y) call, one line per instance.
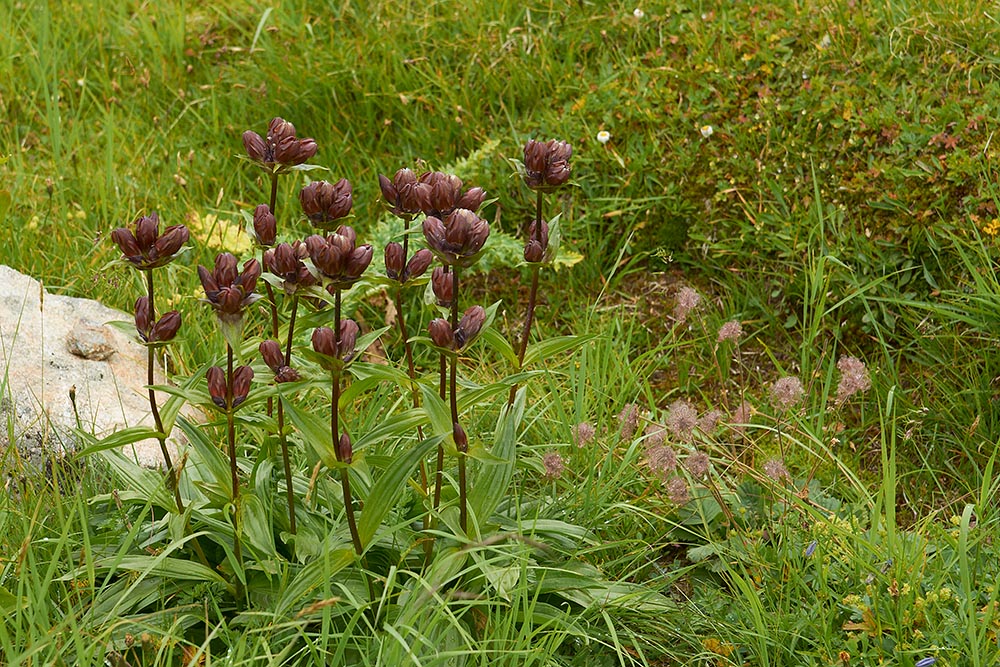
point(926, 662)
point(811, 549)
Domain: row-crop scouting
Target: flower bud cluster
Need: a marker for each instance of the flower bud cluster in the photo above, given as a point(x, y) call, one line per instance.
point(338, 260)
point(340, 348)
point(218, 390)
point(546, 164)
point(397, 270)
point(324, 202)
point(461, 336)
point(434, 193)
point(285, 261)
point(280, 149)
point(458, 239)
point(155, 331)
point(270, 352)
point(146, 248)
point(228, 291)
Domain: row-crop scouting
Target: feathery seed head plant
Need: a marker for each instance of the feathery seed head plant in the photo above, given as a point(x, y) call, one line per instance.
point(697, 464)
point(628, 420)
point(681, 420)
point(786, 393)
point(553, 465)
point(854, 378)
point(775, 469)
point(655, 434)
point(677, 491)
point(583, 433)
point(730, 331)
point(661, 460)
point(687, 301)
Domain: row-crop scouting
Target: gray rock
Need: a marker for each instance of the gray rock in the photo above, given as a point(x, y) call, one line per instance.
point(53, 346)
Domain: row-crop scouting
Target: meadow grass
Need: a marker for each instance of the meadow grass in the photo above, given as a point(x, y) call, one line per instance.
point(822, 173)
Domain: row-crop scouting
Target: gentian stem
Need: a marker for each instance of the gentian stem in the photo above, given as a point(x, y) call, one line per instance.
point(231, 440)
point(173, 475)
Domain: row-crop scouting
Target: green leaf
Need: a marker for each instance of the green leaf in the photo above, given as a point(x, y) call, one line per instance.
point(126, 436)
point(389, 487)
point(549, 347)
point(438, 412)
point(315, 431)
point(10, 603)
point(491, 483)
point(255, 524)
point(495, 340)
point(401, 423)
point(210, 464)
point(312, 580)
point(161, 565)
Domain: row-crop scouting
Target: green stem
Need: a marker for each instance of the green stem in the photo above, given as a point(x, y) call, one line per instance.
point(532, 296)
point(231, 440)
point(173, 475)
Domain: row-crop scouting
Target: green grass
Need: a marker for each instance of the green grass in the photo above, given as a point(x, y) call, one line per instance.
point(845, 203)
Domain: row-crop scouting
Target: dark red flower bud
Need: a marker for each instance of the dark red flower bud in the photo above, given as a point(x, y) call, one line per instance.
point(418, 264)
point(127, 244)
point(170, 241)
point(241, 384)
point(469, 326)
point(286, 374)
point(459, 238)
point(461, 439)
point(143, 317)
point(345, 451)
point(225, 268)
point(359, 260)
point(442, 282)
point(349, 331)
point(248, 278)
point(166, 327)
point(255, 146)
point(441, 333)
point(394, 260)
point(546, 164)
point(533, 252)
point(264, 226)
point(324, 341)
point(279, 129)
point(217, 386)
point(146, 248)
point(472, 199)
point(270, 352)
point(146, 230)
point(389, 193)
point(324, 202)
point(227, 291)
